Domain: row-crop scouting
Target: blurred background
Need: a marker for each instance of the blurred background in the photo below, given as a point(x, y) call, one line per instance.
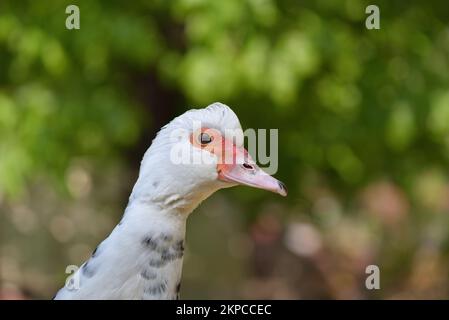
point(363, 119)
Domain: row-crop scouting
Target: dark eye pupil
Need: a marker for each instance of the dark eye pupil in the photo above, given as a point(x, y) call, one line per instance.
point(205, 138)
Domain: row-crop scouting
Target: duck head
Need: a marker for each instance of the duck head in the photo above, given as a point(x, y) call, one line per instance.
point(198, 153)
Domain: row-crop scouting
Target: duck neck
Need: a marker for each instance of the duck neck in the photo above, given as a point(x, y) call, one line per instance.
point(146, 217)
point(158, 238)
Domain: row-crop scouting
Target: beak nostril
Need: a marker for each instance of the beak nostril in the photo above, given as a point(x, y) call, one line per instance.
point(247, 166)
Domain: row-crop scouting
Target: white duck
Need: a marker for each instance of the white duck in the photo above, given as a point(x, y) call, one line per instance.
point(142, 257)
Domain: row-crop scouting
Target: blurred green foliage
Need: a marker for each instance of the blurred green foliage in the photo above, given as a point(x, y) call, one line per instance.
point(352, 102)
point(353, 106)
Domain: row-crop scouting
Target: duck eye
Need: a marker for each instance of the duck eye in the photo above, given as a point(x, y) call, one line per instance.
point(205, 138)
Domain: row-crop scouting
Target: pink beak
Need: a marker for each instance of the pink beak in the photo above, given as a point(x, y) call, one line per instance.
point(244, 171)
